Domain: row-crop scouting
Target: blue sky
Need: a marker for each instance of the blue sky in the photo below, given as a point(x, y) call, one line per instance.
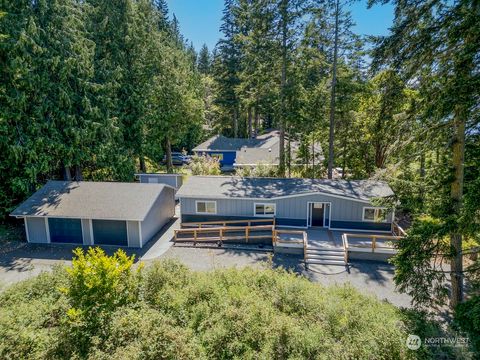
point(200, 19)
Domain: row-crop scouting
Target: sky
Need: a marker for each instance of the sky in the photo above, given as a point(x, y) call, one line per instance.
point(200, 19)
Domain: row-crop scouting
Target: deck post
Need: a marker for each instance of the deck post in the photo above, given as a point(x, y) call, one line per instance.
point(247, 233)
point(194, 237)
point(374, 240)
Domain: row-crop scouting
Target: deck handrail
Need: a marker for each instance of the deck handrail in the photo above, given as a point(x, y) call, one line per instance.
point(221, 236)
point(345, 247)
point(276, 238)
point(373, 245)
point(303, 240)
point(397, 229)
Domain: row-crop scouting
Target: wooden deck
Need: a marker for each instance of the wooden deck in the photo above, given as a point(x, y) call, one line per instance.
point(265, 231)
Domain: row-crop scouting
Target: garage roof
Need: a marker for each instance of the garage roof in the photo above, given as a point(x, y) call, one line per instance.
point(91, 200)
point(266, 188)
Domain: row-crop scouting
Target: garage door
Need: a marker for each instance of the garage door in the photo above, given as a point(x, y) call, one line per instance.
point(65, 230)
point(110, 232)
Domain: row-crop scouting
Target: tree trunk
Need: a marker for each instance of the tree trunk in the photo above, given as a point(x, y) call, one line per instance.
point(257, 121)
point(313, 157)
point(235, 123)
point(78, 173)
point(249, 122)
point(422, 177)
point(332, 94)
point(168, 155)
point(67, 173)
point(283, 14)
point(456, 195)
point(143, 166)
point(289, 156)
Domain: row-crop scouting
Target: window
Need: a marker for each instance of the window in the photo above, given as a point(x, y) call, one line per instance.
point(264, 209)
point(375, 214)
point(206, 207)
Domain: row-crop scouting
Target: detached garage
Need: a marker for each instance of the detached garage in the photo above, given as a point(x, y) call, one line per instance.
point(101, 213)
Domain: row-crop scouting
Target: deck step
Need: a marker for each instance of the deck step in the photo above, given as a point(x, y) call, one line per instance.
point(319, 248)
point(323, 251)
point(324, 257)
point(326, 262)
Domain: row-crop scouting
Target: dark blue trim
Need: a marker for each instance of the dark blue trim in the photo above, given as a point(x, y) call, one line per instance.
point(291, 222)
point(279, 221)
point(228, 156)
point(358, 225)
point(354, 225)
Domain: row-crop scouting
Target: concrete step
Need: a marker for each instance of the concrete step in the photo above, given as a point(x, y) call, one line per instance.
point(326, 262)
point(325, 257)
point(323, 251)
point(319, 248)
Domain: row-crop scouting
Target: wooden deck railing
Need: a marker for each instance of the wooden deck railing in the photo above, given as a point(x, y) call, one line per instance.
point(345, 247)
point(372, 244)
point(223, 233)
point(303, 240)
point(397, 230)
point(249, 222)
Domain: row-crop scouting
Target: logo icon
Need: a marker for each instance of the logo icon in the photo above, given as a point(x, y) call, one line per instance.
point(413, 342)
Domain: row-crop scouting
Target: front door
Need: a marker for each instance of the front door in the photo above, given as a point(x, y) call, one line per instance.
point(318, 211)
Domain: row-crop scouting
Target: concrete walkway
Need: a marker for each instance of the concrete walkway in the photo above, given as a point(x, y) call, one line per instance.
point(162, 242)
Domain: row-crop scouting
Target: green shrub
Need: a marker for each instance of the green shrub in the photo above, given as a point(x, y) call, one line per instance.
point(467, 317)
point(97, 285)
point(204, 165)
point(260, 170)
point(169, 312)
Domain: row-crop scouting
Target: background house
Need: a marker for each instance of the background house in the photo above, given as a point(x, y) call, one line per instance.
point(333, 204)
point(103, 213)
point(239, 152)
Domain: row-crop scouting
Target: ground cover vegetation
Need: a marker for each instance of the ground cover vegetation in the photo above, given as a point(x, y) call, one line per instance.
point(105, 308)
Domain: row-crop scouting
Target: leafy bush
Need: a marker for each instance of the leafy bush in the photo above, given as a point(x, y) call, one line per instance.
point(204, 165)
point(169, 312)
point(260, 170)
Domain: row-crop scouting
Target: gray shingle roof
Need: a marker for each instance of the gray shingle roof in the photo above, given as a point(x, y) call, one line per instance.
point(91, 200)
point(237, 187)
point(256, 156)
point(220, 142)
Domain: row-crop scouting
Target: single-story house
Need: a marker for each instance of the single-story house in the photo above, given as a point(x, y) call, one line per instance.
point(173, 180)
point(96, 213)
point(239, 152)
point(333, 204)
point(226, 149)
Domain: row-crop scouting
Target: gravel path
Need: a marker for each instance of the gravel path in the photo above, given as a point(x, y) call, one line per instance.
point(369, 277)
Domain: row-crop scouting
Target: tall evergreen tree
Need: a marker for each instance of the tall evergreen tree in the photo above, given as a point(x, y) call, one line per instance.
point(436, 43)
point(226, 68)
point(204, 61)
